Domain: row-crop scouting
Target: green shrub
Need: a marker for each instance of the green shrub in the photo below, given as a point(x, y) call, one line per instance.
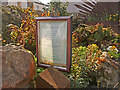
point(85, 35)
point(113, 52)
point(19, 26)
point(38, 69)
point(25, 33)
point(85, 62)
point(59, 7)
point(10, 15)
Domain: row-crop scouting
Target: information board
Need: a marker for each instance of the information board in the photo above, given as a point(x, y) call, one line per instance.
point(53, 47)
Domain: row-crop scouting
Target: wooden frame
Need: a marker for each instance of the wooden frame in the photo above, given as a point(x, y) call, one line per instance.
point(68, 43)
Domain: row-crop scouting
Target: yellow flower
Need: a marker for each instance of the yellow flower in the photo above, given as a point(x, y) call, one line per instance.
point(110, 18)
point(36, 16)
point(116, 14)
point(4, 40)
point(28, 8)
point(95, 45)
point(30, 14)
point(76, 41)
point(113, 47)
point(48, 14)
point(104, 29)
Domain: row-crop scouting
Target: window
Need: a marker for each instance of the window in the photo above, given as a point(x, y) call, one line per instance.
point(37, 7)
point(29, 4)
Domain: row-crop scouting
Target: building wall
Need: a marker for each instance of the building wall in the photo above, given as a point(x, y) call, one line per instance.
point(23, 4)
point(38, 6)
point(4, 2)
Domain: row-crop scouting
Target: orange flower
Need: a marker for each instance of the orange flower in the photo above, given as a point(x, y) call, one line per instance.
point(24, 75)
point(99, 62)
point(29, 41)
point(103, 60)
point(42, 15)
point(115, 43)
point(4, 40)
point(73, 34)
point(31, 14)
point(87, 61)
point(36, 15)
point(102, 55)
point(20, 41)
point(23, 21)
point(98, 59)
point(101, 24)
point(98, 67)
point(58, 14)
point(19, 3)
point(32, 7)
point(45, 12)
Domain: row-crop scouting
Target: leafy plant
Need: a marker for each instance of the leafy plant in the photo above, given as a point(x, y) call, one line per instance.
point(56, 8)
point(114, 17)
point(59, 7)
point(85, 62)
point(105, 17)
point(38, 69)
point(113, 52)
point(85, 35)
point(14, 28)
point(10, 14)
point(25, 33)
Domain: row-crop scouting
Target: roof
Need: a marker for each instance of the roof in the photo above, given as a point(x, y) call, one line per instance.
point(39, 2)
point(72, 8)
point(93, 7)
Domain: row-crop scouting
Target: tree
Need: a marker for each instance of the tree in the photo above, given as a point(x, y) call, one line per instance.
point(59, 7)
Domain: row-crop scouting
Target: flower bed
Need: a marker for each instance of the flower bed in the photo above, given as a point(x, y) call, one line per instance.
point(113, 24)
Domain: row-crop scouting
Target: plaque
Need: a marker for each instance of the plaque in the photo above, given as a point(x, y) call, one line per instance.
point(53, 38)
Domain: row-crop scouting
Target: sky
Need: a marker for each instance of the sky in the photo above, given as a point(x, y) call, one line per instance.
point(45, 1)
